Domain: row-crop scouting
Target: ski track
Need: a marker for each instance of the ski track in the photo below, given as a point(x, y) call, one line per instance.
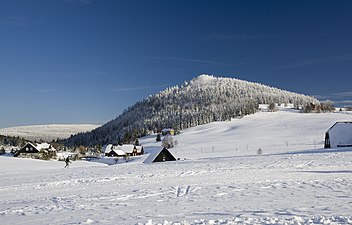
point(243, 190)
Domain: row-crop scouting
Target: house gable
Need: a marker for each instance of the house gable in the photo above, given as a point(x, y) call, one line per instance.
point(339, 135)
point(160, 156)
point(29, 148)
point(32, 150)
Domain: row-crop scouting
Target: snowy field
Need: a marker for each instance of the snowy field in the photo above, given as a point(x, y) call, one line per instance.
point(220, 179)
point(47, 132)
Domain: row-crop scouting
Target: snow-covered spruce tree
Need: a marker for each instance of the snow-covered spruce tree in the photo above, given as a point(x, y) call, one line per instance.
point(136, 142)
point(202, 100)
point(272, 107)
point(2, 150)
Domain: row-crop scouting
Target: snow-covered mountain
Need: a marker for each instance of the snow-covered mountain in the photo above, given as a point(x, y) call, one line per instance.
point(202, 100)
point(47, 132)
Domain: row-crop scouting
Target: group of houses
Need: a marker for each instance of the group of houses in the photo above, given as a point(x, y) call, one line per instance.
point(160, 155)
point(33, 150)
point(339, 135)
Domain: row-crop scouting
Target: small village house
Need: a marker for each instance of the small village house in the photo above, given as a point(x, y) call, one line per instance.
point(161, 155)
point(111, 151)
point(33, 150)
point(339, 135)
point(116, 153)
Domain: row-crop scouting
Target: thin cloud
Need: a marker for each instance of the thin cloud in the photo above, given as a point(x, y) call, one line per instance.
point(94, 73)
point(20, 21)
point(78, 2)
point(73, 74)
point(14, 21)
point(343, 102)
point(197, 61)
point(346, 102)
point(43, 91)
point(126, 89)
point(339, 98)
point(347, 94)
point(304, 63)
point(339, 58)
point(170, 70)
point(238, 37)
point(322, 96)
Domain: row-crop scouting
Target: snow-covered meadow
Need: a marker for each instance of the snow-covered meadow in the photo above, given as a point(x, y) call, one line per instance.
point(220, 179)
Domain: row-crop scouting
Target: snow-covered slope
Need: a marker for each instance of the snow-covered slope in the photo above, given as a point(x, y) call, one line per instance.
point(273, 132)
point(47, 132)
point(216, 184)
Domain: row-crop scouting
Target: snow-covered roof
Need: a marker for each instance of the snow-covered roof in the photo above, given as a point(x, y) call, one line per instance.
point(154, 154)
point(339, 125)
point(34, 146)
point(119, 152)
point(340, 134)
point(139, 149)
point(42, 146)
point(126, 148)
point(106, 148)
point(45, 146)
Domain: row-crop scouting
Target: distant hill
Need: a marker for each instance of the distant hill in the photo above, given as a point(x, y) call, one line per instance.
point(202, 100)
point(47, 132)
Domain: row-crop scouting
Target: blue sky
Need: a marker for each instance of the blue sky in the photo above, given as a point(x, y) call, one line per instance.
point(85, 61)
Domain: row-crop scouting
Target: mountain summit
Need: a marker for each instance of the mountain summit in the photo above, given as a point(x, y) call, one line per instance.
point(202, 100)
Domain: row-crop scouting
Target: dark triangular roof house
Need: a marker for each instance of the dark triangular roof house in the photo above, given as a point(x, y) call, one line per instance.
point(30, 149)
point(339, 135)
point(161, 155)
